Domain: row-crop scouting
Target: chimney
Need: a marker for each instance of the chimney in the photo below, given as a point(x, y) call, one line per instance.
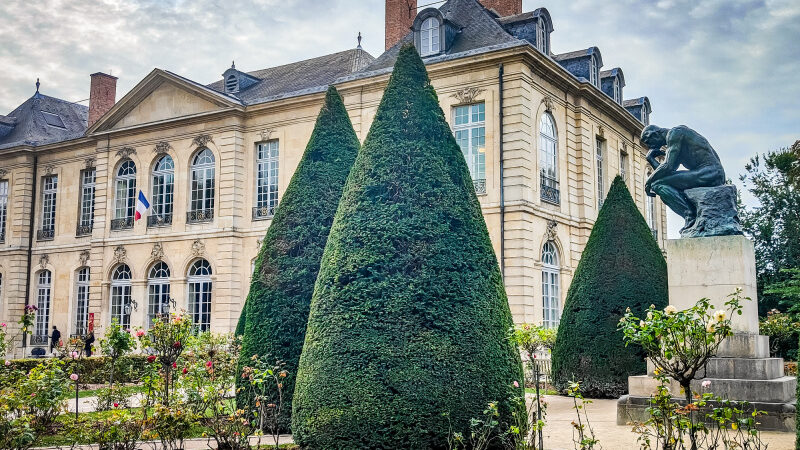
point(102, 95)
point(400, 16)
point(504, 7)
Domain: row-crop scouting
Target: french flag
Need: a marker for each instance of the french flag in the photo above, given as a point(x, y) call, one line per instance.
point(142, 205)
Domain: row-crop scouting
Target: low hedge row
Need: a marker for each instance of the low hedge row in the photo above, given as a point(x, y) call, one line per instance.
point(95, 370)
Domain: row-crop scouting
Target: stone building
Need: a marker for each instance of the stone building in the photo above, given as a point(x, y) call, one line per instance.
point(543, 135)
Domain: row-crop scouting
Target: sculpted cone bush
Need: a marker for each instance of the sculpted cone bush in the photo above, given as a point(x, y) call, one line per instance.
point(277, 307)
point(407, 333)
point(621, 267)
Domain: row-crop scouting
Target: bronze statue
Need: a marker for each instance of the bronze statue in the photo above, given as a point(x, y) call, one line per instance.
point(703, 169)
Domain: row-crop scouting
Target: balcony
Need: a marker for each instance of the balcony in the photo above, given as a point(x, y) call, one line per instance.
point(200, 216)
point(46, 234)
point(39, 339)
point(83, 230)
point(480, 186)
point(125, 223)
point(264, 212)
point(157, 221)
point(549, 190)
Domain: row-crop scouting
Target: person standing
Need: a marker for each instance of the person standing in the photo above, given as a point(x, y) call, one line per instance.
point(55, 337)
point(87, 346)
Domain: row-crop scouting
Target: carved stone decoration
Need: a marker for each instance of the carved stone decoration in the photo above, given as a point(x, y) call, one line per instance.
point(126, 152)
point(44, 260)
point(601, 131)
point(3, 173)
point(467, 94)
point(265, 134)
point(158, 251)
point(84, 257)
point(259, 243)
point(90, 162)
point(548, 104)
point(49, 169)
point(162, 147)
point(198, 248)
point(201, 140)
point(120, 254)
point(551, 232)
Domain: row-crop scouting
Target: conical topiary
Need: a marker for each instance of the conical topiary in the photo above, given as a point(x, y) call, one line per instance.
point(273, 322)
point(407, 334)
point(621, 267)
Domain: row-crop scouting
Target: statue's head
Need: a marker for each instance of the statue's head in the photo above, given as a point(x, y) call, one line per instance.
point(654, 137)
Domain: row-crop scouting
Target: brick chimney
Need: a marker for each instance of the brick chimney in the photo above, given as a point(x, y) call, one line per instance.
point(400, 16)
point(102, 95)
point(504, 7)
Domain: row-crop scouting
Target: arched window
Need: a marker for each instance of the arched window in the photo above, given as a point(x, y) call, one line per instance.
point(548, 158)
point(429, 37)
point(551, 287)
point(541, 36)
point(200, 286)
point(82, 301)
point(231, 83)
point(121, 295)
point(163, 192)
point(201, 208)
point(44, 287)
point(158, 298)
point(125, 202)
point(266, 179)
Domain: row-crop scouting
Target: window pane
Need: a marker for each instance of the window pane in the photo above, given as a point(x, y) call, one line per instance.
point(470, 133)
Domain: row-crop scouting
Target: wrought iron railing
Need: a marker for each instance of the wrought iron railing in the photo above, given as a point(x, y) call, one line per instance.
point(600, 202)
point(46, 234)
point(83, 230)
point(480, 186)
point(199, 216)
point(655, 234)
point(159, 220)
point(549, 190)
point(2, 237)
point(125, 223)
point(263, 212)
point(39, 339)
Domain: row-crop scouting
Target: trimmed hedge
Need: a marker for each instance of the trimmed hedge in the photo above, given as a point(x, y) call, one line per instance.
point(621, 267)
point(409, 319)
point(95, 370)
point(273, 323)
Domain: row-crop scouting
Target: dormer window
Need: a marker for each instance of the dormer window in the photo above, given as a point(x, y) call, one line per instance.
point(232, 84)
point(645, 117)
point(616, 90)
point(429, 37)
point(593, 75)
point(541, 36)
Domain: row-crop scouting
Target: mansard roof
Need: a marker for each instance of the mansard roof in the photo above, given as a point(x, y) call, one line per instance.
point(43, 120)
point(581, 54)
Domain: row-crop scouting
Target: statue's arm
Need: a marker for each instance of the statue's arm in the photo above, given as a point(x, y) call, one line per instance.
point(652, 155)
point(672, 158)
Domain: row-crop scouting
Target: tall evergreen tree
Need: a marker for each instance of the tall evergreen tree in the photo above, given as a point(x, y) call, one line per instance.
point(621, 267)
point(409, 318)
point(273, 322)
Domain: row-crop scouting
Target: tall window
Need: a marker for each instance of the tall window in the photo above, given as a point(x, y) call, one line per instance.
point(616, 90)
point(158, 298)
point(551, 287)
point(593, 71)
point(201, 208)
point(44, 284)
point(86, 219)
point(49, 190)
point(125, 202)
point(470, 132)
point(429, 37)
point(163, 192)
point(650, 207)
point(623, 166)
point(200, 286)
point(599, 143)
point(121, 295)
point(82, 301)
point(267, 182)
point(541, 36)
point(3, 209)
point(548, 159)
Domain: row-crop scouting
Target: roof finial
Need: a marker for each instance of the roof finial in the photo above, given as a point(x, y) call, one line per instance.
point(233, 64)
point(37, 85)
point(359, 40)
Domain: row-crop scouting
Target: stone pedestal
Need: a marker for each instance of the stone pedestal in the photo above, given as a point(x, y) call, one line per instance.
point(716, 212)
point(713, 267)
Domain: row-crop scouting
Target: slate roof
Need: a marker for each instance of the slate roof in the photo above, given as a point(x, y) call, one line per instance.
point(36, 122)
point(300, 77)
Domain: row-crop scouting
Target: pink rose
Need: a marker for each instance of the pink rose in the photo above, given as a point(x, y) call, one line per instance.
point(3, 325)
point(209, 364)
point(516, 385)
point(184, 370)
point(74, 377)
point(74, 355)
point(8, 363)
point(706, 383)
point(140, 333)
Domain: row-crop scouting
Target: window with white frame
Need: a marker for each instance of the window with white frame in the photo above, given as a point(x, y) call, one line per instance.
point(125, 200)
point(86, 219)
point(593, 71)
point(429, 37)
point(49, 191)
point(201, 207)
point(599, 144)
point(548, 151)
point(649, 206)
point(551, 286)
point(163, 181)
point(82, 301)
point(623, 166)
point(44, 288)
point(200, 287)
point(158, 292)
point(267, 160)
point(3, 209)
point(541, 36)
point(121, 295)
point(616, 90)
point(469, 126)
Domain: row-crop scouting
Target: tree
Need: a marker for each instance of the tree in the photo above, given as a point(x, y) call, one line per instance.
point(621, 267)
point(288, 262)
point(774, 224)
point(408, 331)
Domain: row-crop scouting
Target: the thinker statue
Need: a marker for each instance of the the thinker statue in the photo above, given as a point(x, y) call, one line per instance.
point(707, 212)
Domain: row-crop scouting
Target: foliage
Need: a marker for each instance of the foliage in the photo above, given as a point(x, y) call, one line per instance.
point(116, 343)
point(797, 444)
point(532, 340)
point(774, 224)
point(788, 290)
point(164, 342)
point(409, 316)
point(171, 425)
point(276, 310)
point(621, 266)
point(16, 433)
point(783, 330)
point(120, 430)
point(265, 381)
point(94, 370)
point(582, 433)
point(111, 398)
point(41, 393)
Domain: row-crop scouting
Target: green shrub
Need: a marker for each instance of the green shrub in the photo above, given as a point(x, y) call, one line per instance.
point(94, 370)
point(287, 265)
point(621, 267)
point(797, 404)
point(409, 317)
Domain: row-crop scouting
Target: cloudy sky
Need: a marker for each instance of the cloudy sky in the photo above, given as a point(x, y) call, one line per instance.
point(727, 68)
